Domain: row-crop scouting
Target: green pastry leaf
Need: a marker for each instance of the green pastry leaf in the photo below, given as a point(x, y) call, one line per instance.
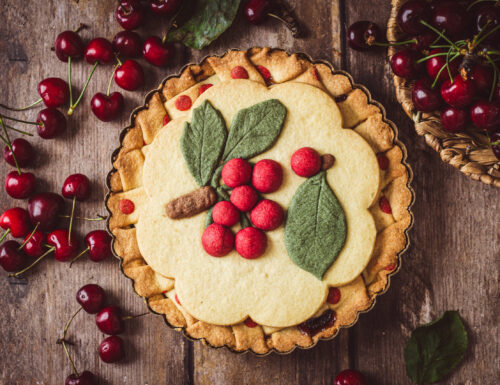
point(202, 142)
point(254, 130)
point(316, 227)
point(436, 348)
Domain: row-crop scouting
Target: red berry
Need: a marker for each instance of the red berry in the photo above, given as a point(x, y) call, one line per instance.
point(482, 77)
point(349, 377)
point(410, 14)
point(239, 72)
point(107, 107)
point(165, 7)
point(20, 186)
point(76, 186)
point(204, 87)
point(111, 349)
point(127, 44)
point(451, 17)
point(236, 172)
point(109, 320)
point(68, 44)
point(404, 64)
point(244, 198)
point(485, 115)
point(91, 298)
point(156, 52)
point(166, 119)
point(333, 296)
point(127, 206)
point(267, 215)
point(35, 246)
point(459, 93)
point(99, 50)
point(361, 35)
point(129, 75)
point(129, 14)
point(183, 103)
point(424, 97)
point(11, 259)
point(306, 162)
point(54, 92)
point(99, 244)
point(23, 151)
point(435, 66)
point(65, 250)
point(84, 378)
point(249, 323)
point(453, 119)
point(383, 162)
point(217, 240)
point(384, 205)
point(267, 176)
point(256, 10)
point(225, 213)
point(45, 208)
point(51, 123)
point(250, 242)
point(264, 72)
point(17, 221)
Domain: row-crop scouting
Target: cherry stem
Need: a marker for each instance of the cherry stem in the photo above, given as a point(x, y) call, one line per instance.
point(111, 79)
point(485, 36)
point(392, 43)
point(20, 120)
point(78, 256)
point(292, 26)
point(477, 2)
point(439, 33)
point(18, 130)
point(22, 108)
point(431, 56)
point(16, 275)
point(63, 342)
point(99, 218)
point(133, 316)
point(80, 27)
point(123, 8)
point(69, 82)
point(5, 234)
point(71, 219)
point(28, 239)
point(9, 144)
point(73, 106)
point(495, 77)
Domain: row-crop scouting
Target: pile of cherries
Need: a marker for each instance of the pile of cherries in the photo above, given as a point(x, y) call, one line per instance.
point(452, 52)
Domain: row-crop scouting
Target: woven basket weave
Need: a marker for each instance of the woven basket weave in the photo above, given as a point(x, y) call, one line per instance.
point(467, 151)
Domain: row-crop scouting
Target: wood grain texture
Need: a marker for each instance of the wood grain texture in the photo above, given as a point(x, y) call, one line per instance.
point(451, 264)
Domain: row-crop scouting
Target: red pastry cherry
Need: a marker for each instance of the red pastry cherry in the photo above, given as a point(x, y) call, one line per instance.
point(129, 14)
point(52, 123)
point(267, 176)
point(76, 186)
point(16, 221)
point(239, 72)
point(451, 17)
point(225, 213)
point(111, 349)
point(35, 245)
point(424, 97)
point(127, 44)
point(204, 87)
point(454, 119)
point(99, 245)
point(362, 34)
point(384, 205)
point(107, 107)
point(267, 215)
point(91, 298)
point(84, 378)
point(435, 66)
point(54, 92)
point(65, 247)
point(482, 77)
point(20, 185)
point(333, 296)
point(306, 162)
point(349, 377)
point(109, 320)
point(236, 172)
point(256, 10)
point(485, 115)
point(129, 75)
point(44, 209)
point(183, 103)
point(157, 52)
point(410, 14)
point(23, 151)
point(127, 206)
point(68, 44)
point(99, 50)
point(495, 138)
point(244, 198)
point(404, 64)
point(250, 243)
point(217, 240)
point(459, 93)
point(11, 259)
point(165, 7)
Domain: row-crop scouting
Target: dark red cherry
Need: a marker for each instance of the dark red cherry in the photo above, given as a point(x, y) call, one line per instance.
point(107, 107)
point(99, 50)
point(425, 98)
point(410, 14)
point(256, 10)
point(76, 186)
point(362, 34)
point(45, 208)
point(459, 93)
point(64, 250)
point(451, 17)
point(454, 119)
point(35, 246)
point(99, 244)
point(495, 138)
point(482, 77)
point(487, 16)
point(423, 41)
point(20, 186)
point(68, 43)
point(404, 64)
point(17, 221)
point(485, 115)
point(84, 378)
point(435, 64)
point(349, 377)
point(109, 320)
point(54, 92)
point(11, 259)
point(111, 349)
point(129, 75)
point(52, 123)
point(129, 14)
point(127, 44)
point(91, 298)
point(156, 52)
point(23, 152)
point(165, 7)
point(496, 92)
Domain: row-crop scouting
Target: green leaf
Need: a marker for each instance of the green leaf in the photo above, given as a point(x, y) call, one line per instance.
point(254, 130)
point(436, 348)
point(202, 142)
point(208, 19)
point(209, 219)
point(316, 227)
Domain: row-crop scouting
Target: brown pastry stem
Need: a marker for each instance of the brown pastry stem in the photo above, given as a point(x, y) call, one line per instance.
point(327, 161)
point(192, 203)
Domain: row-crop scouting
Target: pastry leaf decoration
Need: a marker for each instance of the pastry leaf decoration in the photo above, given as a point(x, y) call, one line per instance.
point(316, 228)
point(202, 142)
point(436, 348)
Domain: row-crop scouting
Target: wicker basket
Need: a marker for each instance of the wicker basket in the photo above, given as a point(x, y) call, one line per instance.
point(467, 151)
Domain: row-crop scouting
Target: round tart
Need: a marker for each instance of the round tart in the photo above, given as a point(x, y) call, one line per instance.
point(259, 200)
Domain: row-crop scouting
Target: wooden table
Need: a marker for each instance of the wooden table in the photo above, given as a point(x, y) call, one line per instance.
point(452, 262)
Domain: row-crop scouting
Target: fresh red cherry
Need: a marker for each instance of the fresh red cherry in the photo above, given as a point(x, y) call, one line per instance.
point(485, 115)
point(129, 75)
point(454, 119)
point(23, 151)
point(17, 221)
point(91, 298)
point(424, 97)
point(165, 7)
point(451, 17)
point(459, 93)
point(68, 44)
point(109, 320)
point(35, 246)
point(156, 52)
point(84, 378)
point(127, 44)
point(349, 377)
point(65, 250)
point(99, 50)
point(11, 259)
point(482, 77)
point(52, 123)
point(256, 10)
point(404, 64)
point(20, 186)
point(45, 208)
point(111, 349)
point(362, 34)
point(495, 138)
point(487, 16)
point(435, 64)
point(99, 245)
point(107, 107)
point(423, 41)
point(129, 14)
point(410, 14)
point(76, 186)
point(54, 92)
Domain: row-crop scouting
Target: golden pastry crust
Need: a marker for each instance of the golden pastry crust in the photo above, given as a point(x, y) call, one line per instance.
point(359, 112)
